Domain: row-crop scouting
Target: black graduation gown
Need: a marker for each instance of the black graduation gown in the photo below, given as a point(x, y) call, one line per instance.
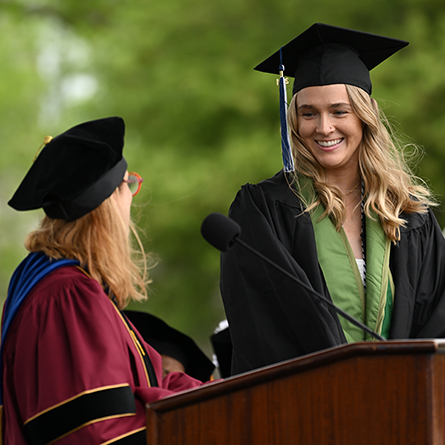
point(272, 318)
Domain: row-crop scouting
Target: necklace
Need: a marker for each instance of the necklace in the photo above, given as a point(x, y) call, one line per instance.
point(350, 191)
point(363, 232)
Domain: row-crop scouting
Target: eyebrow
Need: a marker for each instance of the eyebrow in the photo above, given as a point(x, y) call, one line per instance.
point(339, 104)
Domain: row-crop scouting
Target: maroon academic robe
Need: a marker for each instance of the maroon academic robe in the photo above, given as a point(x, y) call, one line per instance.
point(69, 355)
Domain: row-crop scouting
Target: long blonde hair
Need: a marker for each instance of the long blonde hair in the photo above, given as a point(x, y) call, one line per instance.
point(100, 242)
point(390, 186)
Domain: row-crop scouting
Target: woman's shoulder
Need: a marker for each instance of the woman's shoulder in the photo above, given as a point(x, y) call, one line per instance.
point(418, 221)
point(66, 286)
point(278, 189)
point(64, 295)
point(70, 276)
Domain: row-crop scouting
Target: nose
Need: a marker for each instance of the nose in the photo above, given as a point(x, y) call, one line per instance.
point(324, 124)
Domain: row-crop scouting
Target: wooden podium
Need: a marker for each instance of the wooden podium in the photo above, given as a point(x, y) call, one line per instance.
point(364, 393)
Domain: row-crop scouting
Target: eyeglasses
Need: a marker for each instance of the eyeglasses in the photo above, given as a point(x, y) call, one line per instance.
point(134, 182)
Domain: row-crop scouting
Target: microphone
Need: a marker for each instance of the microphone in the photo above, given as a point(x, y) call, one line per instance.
point(223, 233)
point(220, 231)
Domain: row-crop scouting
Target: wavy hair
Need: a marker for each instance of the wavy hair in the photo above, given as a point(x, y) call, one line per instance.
point(100, 242)
point(390, 186)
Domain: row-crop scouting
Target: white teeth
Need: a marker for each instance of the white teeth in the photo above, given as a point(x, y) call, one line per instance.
point(329, 143)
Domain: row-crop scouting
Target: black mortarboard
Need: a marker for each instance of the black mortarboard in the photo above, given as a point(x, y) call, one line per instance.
point(169, 341)
point(75, 171)
point(326, 55)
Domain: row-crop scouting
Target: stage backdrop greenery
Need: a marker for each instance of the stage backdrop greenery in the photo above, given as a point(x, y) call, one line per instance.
point(200, 121)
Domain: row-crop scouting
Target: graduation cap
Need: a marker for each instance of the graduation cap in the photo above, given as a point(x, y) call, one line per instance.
point(327, 55)
point(75, 171)
point(169, 341)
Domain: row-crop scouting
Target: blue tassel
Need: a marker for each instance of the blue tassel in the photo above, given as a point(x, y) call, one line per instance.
point(288, 160)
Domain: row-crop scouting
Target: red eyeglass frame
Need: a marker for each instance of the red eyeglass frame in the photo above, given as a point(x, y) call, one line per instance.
point(137, 180)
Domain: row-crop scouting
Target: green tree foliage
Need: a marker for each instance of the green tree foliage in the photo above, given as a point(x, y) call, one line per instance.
point(200, 121)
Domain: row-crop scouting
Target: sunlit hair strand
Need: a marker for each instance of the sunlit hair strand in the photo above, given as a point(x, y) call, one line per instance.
point(100, 242)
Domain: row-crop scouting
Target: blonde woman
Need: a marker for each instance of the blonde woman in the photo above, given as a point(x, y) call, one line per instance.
point(74, 370)
point(346, 217)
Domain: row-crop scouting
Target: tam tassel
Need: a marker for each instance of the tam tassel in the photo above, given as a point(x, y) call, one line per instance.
point(288, 160)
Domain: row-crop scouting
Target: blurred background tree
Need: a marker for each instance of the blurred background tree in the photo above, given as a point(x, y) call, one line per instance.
point(200, 122)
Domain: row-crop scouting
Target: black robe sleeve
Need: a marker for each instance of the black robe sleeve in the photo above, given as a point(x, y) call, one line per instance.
point(418, 267)
point(272, 318)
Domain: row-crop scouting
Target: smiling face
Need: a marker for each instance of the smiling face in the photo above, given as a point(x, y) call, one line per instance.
point(329, 128)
